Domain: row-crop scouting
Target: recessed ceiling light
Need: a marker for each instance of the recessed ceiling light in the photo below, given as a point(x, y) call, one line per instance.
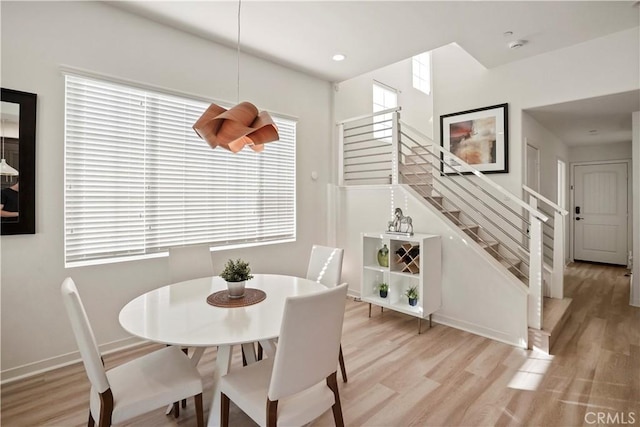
point(516, 44)
point(338, 57)
point(507, 33)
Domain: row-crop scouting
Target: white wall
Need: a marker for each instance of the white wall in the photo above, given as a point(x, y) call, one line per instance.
point(635, 188)
point(354, 97)
point(37, 38)
point(477, 296)
point(603, 66)
point(592, 153)
point(599, 67)
point(551, 149)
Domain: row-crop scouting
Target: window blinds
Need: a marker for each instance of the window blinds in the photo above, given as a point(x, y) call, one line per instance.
point(138, 180)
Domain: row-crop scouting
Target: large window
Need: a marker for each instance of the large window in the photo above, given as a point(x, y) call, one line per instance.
point(138, 180)
point(384, 98)
point(422, 72)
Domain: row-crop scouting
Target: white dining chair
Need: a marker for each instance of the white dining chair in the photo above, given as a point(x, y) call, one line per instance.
point(325, 267)
point(135, 387)
point(299, 384)
point(190, 262)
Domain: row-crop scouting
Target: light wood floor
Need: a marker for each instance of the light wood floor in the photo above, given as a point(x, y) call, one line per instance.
point(444, 377)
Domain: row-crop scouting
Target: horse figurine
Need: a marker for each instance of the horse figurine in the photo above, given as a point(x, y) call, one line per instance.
point(395, 226)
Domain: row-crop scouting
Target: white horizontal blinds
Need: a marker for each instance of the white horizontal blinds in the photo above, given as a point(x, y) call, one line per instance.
point(104, 157)
point(181, 175)
point(276, 207)
point(189, 193)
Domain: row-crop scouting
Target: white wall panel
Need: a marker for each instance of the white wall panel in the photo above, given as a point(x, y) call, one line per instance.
point(476, 296)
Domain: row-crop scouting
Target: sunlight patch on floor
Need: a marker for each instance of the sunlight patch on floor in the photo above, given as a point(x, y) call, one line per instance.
point(530, 375)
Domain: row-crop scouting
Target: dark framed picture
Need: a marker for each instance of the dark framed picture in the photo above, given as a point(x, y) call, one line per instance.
point(18, 165)
point(480, 137)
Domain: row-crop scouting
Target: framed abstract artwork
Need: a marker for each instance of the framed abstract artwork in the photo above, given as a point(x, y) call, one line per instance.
point(479, 137)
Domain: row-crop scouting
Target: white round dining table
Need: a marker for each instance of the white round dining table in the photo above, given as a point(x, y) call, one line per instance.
point(179, 314)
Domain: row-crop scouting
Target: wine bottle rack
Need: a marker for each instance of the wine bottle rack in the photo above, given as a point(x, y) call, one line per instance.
point(408, 256)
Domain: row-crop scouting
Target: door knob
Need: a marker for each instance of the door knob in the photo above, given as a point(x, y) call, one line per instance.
point(578, 218)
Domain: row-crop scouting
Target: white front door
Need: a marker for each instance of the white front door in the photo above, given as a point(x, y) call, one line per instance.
point(600, 213)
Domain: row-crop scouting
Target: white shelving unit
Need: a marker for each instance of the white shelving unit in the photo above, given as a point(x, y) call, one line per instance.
point(413, 261)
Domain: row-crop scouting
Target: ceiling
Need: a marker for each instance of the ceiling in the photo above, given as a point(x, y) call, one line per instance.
point(575, 122)
point(304, 35)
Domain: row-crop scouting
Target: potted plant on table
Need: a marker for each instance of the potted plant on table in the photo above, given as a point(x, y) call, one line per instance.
point(383, 289)
point(412, 295)
point(236, 273)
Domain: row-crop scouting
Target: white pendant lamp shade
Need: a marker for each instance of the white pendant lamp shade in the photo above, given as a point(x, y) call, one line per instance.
point(7, 170)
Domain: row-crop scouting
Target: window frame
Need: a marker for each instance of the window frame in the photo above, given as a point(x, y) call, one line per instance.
point(150, 251)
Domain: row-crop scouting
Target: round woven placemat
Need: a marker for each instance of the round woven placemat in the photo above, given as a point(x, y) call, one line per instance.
point(221, 298)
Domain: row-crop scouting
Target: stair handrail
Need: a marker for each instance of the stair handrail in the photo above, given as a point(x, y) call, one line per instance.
point(536, 213)
point(556, 287)
point(370, 115)
point(539, 196)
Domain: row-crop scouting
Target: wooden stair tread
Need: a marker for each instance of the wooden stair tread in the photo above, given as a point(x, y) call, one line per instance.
point(487, 243)
point(555, 313)
point(553, 310)
point(510, 262)
point(464, 227)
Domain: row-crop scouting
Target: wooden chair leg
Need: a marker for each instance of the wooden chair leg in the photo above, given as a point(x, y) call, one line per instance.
point(91, 422)
point(224, 410)
point(106, 408)
point(199, 410)
point(244, 359)
point(343, 369)
point(272, 413)
point(259, 352)
point(176, 409)
point(332, 382)
point(185, 350)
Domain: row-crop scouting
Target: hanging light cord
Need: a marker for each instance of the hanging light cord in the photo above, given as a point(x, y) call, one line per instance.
point(2, 130)
point(238, 50)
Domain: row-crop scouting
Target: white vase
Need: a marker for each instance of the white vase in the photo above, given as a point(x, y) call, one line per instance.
point(236, 289)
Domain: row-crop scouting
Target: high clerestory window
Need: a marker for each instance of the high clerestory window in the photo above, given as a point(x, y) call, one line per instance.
point(384, 98)
point(138, 180)
point(421, 66)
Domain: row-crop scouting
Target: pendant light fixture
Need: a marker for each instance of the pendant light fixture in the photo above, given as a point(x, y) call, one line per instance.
point(238, 126)
point(5, 169)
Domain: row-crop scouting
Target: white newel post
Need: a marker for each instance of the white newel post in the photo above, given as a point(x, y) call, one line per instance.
point(341, 154)
point(535, 269)
point(557, 284)
point(395, 148)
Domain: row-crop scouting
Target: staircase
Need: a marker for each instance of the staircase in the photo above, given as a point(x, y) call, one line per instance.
point(416, 171)
point(526, 241)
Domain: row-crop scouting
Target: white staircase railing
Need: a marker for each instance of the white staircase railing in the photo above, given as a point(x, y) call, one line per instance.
point(380, 149)
point(557, 237)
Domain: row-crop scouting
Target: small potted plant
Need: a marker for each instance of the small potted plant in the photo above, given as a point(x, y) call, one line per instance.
point(412, 294)
point(383, 288)
point(236, 273)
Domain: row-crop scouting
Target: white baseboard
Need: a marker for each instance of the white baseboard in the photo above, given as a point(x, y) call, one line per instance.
point(30, 369)
point(482, 331)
